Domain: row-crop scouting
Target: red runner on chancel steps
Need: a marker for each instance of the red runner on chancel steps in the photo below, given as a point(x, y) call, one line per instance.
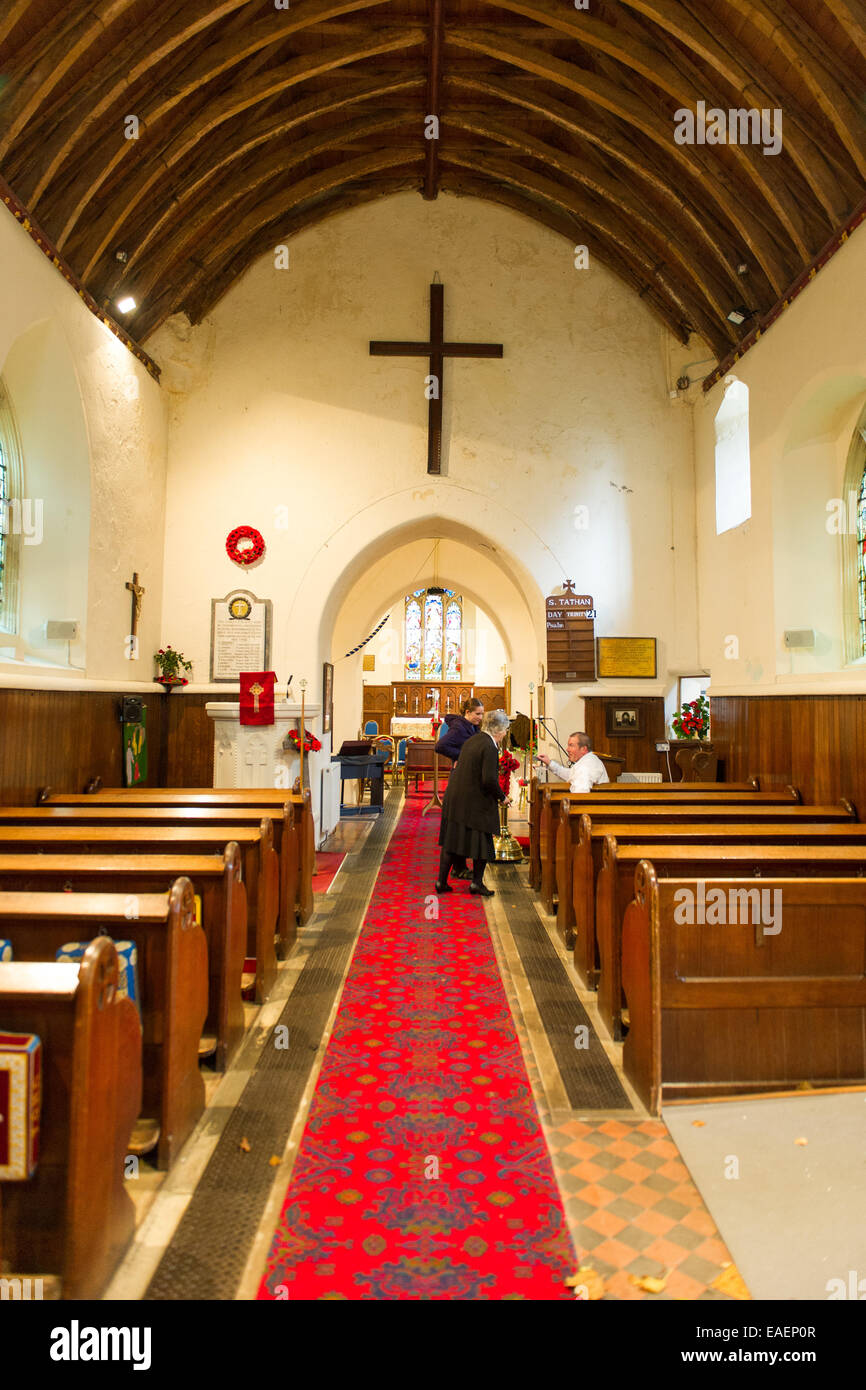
point(423, 1172)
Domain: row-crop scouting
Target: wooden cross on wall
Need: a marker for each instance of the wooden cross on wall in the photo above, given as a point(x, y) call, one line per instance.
point(137, 594)
point(436, 349)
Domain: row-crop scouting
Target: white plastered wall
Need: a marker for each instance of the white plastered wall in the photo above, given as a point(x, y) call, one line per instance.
point(281, 420)
point(92, 424)
point(783, 568)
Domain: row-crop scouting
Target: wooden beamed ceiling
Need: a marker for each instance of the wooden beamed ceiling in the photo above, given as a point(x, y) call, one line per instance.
point(256, 122)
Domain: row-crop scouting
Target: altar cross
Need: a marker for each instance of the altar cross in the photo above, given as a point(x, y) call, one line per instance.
point(436, 349)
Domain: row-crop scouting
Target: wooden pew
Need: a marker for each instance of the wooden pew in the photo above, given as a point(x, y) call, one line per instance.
point(595, 802)
point(74, 1216)
point(752, 784)
point(755, 861)
point(568, 832)
point(95, 811)
point(260, 869)
point(216, 880)
point(722, 1010)
point(172, 978)
point(593, 830)
point(638, 789)
point(219, 797)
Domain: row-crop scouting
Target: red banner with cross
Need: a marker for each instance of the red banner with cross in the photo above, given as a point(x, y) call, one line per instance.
point(257, 697)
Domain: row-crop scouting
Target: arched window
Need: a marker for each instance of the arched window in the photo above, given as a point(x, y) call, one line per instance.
point(861, 559)
point(847, 519)
point(733, 463)
point(434, 635)
point(11, 489)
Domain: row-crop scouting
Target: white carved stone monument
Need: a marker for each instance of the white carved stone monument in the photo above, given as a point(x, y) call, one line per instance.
point(252, 755)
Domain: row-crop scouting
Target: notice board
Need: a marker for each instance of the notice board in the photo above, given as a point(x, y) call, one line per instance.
point(570, 622)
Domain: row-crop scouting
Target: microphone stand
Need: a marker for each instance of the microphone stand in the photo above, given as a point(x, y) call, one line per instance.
point(543, 722)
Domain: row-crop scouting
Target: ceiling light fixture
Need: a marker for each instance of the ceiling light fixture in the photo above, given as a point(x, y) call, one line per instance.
point(126, 305)
point(740, 314)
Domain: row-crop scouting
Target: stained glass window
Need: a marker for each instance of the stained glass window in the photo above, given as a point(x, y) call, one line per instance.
point(453, 639)
point(4, 498)
point(10, 514)
point(861, 559)
point(414, 639)
point(434, 635)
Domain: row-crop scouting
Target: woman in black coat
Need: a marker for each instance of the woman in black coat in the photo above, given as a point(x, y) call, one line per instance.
point(470, 808)
point(459, 728)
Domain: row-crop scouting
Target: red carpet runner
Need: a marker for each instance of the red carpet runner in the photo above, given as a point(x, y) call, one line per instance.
point(423, 1172)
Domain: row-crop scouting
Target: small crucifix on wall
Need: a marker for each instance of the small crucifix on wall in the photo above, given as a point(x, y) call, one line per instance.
point(436, 349)
point(132, 640)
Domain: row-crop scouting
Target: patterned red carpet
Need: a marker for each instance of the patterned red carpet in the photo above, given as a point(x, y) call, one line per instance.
point(422, 1173)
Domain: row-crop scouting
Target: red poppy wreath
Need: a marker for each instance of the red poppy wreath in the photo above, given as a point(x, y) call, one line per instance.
point(250, 553)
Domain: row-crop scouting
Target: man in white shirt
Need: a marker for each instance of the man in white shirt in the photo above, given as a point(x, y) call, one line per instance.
point(586, 769)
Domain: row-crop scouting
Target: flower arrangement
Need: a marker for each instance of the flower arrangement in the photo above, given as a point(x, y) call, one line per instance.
point(507, 764)
point(311, 743)
point(170, 664)
point(693, 720)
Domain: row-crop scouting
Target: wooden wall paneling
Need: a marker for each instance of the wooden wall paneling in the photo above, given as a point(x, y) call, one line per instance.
point(639, 753)
point(188, 756)
point(816, 742)
point(63, 738)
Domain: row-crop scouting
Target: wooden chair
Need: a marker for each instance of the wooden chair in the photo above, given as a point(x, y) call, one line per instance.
point(385, 741)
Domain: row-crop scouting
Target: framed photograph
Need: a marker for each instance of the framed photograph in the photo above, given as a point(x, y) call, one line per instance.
point(327, 698)
point(623, 720)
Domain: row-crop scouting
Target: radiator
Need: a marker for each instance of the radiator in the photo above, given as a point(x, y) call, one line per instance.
point(640, 777)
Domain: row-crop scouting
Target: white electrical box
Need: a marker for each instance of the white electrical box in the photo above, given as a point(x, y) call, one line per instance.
point(800, 637)
point(56, 631)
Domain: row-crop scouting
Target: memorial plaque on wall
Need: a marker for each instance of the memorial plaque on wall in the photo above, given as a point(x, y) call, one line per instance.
point(570, 621)
point(240, 635)
point(630, 657)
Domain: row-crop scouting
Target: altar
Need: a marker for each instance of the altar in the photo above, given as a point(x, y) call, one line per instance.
point(408, 726)
point(252, 755)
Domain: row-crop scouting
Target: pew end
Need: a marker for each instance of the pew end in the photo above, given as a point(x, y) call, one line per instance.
point(756, 1006)
point(74, 1215)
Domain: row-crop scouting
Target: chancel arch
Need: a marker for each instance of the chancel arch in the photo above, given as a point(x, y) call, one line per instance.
point(499, 635)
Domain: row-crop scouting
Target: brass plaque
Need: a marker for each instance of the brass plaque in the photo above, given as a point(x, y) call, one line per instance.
point(626, 657)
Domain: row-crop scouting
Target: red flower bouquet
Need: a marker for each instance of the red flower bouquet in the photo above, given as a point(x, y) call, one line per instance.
point(693, 720)
point(507, 764)
point(311, 743)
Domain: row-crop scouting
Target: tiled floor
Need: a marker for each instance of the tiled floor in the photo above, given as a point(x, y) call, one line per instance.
point(634, 1211)
point(632, 1208)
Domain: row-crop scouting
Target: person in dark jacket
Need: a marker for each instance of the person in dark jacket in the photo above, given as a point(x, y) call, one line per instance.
point(458, 728)
point(470, 808)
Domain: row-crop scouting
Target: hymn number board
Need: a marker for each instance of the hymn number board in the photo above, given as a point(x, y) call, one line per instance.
point(570, 636)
